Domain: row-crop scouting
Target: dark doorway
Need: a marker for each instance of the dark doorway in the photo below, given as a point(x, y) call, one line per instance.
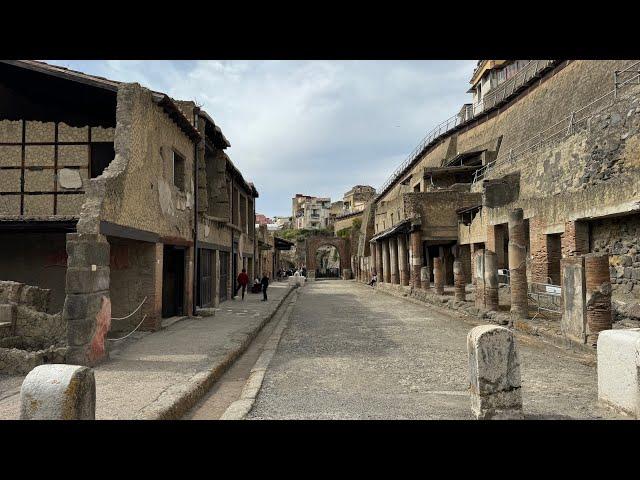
point(205, 277)
point(224, 275)
point(554, 254)
point(101, 155)
point(173, 281)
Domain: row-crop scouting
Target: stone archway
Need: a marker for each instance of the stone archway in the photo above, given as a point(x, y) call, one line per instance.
point(341, 244)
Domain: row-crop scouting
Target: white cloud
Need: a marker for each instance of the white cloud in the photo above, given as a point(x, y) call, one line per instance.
point(313, 127)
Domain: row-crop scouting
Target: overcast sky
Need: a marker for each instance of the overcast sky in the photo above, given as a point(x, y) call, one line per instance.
point(311, 127)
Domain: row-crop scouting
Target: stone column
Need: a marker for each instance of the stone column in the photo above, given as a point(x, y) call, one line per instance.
point(518, 265)
point(416, 258)
point(459, 281)
point(373, 261)
point(386, 261)
point(490, 282)
point(574, 312)
point(153, 306)
point(215, 284)
point(403, 265)
point(87, 305)
point(379, 268)
point(478, 276)
point(598, 295)
point(438, 276)
point(425, 278)
point(393, 253)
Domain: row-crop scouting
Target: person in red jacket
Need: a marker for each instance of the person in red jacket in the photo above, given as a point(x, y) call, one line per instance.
point(243, 281)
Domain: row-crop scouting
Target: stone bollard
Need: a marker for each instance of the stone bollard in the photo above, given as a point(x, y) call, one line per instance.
point(518, 265)
point(438, 276)
point(459, 281)
point(619, 370)
point(425, 280)
point(491, 299)
point(598, 295)
point(494, 373)
point(58, 392)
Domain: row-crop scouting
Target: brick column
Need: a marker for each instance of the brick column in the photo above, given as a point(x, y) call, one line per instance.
point(495, 243)
point(598, 295)
point(87, 305)
point(393, 254)
point(539, 253)
point(518, 264)
point(416, 257)
point(386, 269)
point(459, 280)
point(403, 265)
point(575, 239)
point(438, 276)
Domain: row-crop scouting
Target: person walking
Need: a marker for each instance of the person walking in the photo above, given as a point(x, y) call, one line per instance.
point(374, 279)
point(265, 284)
point(243, 280)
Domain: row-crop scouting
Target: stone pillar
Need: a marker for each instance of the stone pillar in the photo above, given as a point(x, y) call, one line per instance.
point(374, 259)
point(490, 280)
point(494, 374)
point(393, 254)
point(346, 274)
point(459, 281)
point(58, 392)
point(416, 258)
point(495, 243)
point(518, 265)
point(573, 323)
point(438, 276)
point(216, 279)
point(87, 305)
point(379, 268)
point(425, 278)
point(619, 370)
point(478, 276)
point(598, 295)
point(403, 265)
point(386, 261)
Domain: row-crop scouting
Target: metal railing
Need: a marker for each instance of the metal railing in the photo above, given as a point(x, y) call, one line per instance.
point(491, 99)
point(546, 296)
point(575, 121)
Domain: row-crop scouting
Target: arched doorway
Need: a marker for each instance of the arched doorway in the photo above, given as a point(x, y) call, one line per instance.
point(327, 262)
point(342, 246)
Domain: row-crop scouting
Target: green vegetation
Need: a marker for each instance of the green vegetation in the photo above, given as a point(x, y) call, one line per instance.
point(344, 233)
point(299, 235)
point(357, 223)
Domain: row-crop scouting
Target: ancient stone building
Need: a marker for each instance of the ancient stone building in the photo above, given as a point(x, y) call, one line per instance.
point(114, 197)
point(558, 139)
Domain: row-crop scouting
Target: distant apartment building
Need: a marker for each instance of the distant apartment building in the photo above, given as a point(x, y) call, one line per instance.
point(356, 198)
point(280, 223)
point(263, 219)
point(310, 212)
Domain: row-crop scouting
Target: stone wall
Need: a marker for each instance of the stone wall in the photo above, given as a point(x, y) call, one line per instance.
point(620, 238)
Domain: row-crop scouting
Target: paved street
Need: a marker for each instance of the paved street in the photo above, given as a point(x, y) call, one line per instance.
point(350, 352)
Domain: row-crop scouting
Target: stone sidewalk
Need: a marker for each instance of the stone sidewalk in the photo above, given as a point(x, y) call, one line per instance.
point(161, 375)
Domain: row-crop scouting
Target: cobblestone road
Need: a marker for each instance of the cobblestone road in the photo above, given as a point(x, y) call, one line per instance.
point(350, 352)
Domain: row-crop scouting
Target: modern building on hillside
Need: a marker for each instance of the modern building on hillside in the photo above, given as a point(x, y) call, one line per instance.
point(310, 212)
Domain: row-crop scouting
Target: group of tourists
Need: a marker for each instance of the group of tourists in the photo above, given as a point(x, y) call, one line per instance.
point(283, 274)
point(259, 284)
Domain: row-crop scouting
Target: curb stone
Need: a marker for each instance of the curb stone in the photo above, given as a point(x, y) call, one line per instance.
point(178, 399)
point(239, 409)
